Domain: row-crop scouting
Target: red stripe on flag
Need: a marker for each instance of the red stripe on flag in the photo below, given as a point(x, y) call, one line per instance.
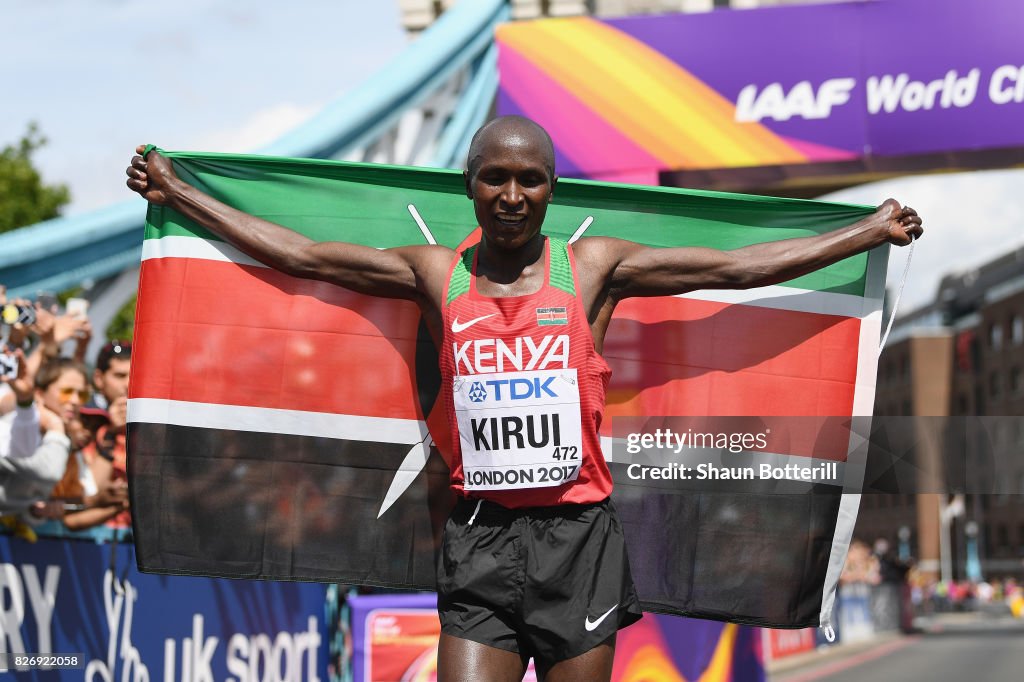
point(217, 332)
point(674, 356)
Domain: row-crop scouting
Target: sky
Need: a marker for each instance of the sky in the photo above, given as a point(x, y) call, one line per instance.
point(101, 76)
point(969, 219)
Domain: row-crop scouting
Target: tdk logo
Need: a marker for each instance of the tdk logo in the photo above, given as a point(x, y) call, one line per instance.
point(477, 392)
point(518, 389)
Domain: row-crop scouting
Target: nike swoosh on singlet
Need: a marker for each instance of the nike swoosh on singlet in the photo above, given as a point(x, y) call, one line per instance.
point(592, 625)
point(456, 327)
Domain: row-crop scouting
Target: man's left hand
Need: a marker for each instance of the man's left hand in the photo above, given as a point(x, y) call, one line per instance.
point(903, 225)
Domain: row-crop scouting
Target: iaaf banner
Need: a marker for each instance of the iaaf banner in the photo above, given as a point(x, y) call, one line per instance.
point(772, 86)
point(87, 601)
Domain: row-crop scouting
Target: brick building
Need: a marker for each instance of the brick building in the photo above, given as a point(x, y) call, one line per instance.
point(962, 356)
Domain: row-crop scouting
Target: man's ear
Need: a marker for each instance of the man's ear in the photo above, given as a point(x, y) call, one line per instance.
point(465, 179)
point(554, 181)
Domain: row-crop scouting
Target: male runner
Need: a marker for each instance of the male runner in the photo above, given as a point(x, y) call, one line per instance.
point(537, 568)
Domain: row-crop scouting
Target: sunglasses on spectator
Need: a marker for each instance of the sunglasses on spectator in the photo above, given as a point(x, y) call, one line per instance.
point(83, 394)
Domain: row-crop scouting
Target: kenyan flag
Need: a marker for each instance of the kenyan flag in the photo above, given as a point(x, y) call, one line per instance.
point(289, 429)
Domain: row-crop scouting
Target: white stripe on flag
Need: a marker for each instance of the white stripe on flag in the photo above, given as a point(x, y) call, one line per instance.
point(776, 297)
point(269, 420)
point(863, 405)
point(191, 247)
point(785, 298)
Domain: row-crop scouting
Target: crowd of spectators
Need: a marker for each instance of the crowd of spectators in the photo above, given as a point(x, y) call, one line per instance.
point(909, 592)
point(937, 596)
point(62, 425)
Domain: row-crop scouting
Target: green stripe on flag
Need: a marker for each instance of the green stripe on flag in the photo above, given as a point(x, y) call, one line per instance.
point(369, 204)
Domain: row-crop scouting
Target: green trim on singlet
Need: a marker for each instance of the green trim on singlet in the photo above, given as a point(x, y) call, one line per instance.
point(560, 276)
point(561, 272)
point(463, 270)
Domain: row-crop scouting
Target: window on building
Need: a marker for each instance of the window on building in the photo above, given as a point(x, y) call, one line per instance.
point(995, 384)
point(995, 336)
point(1017, 330)
point(1002, 535)
point(1015, 385)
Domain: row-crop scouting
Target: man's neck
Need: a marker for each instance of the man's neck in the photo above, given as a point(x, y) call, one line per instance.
point(504, 266)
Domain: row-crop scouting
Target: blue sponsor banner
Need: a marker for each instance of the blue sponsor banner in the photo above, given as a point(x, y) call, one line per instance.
point(66, 596)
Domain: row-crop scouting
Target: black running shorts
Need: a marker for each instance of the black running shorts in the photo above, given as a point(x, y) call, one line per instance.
point(546, 582)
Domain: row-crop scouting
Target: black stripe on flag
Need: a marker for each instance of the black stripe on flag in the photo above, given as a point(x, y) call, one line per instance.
point(751, 558)
point(240, 504)
point(281, 507)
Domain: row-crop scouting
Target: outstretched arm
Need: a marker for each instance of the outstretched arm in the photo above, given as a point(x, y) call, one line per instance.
point(637, 270)
point(394, 273)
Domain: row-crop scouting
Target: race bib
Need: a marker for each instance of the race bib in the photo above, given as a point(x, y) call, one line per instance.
point(519, 429)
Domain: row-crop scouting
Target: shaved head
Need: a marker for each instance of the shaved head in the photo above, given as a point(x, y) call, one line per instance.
point(512, 131)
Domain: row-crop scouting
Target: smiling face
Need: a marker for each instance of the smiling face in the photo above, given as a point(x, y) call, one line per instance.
point(510, 180)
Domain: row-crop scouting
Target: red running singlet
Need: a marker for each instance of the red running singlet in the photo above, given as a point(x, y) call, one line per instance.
point(524, 389)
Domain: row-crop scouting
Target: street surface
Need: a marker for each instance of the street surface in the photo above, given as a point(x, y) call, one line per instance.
point(969, 648)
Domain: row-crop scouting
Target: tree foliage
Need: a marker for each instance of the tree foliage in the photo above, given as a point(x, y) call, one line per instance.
point(24, 199)
point(122, 327)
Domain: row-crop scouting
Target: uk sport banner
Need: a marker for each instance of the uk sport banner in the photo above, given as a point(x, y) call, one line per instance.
point(285, 428)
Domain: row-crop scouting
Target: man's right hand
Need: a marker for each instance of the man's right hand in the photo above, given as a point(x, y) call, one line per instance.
point(416, 273)
point(152, 177)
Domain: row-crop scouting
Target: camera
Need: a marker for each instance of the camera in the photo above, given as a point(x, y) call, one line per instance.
point(8, 365)
point(11, 313)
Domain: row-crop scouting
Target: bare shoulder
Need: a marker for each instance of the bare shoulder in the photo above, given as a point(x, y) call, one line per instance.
point(597, 259)
point(602, 253)
point(429, 265)
point(426, 259)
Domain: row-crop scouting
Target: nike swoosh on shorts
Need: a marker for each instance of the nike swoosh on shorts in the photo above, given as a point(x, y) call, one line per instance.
point(456, 327)
point(592, 625)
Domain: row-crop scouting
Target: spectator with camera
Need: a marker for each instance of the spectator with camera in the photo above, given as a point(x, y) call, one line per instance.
point(34, 450)
point(45, 426)
point(24, 322)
